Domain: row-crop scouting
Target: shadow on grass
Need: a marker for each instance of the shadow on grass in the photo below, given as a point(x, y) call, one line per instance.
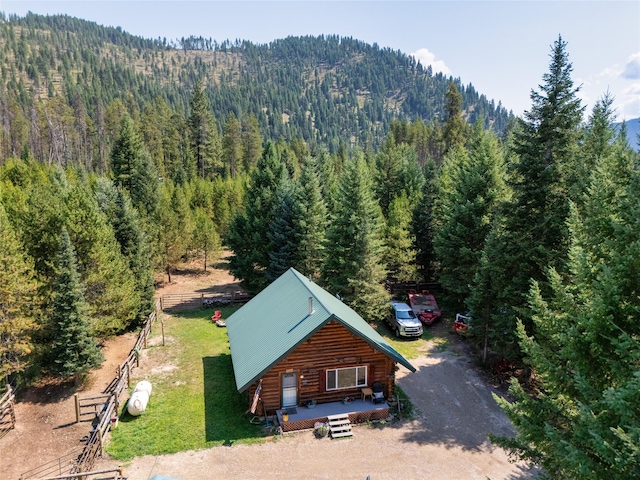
point(224, 407)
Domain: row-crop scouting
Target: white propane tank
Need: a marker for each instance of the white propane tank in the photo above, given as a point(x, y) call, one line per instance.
point(143, 385)
point(137, 403)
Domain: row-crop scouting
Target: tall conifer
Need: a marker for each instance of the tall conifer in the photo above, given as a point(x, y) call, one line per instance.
point(533, 233)
point(354, 267)
point(74, 350)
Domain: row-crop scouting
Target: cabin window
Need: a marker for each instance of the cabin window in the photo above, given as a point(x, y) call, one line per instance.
point(346, 378)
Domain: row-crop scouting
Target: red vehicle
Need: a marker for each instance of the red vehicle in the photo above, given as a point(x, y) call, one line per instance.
point(462, 324)
point(425, 307)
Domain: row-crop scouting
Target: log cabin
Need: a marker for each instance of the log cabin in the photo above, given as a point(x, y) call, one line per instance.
point(303, 345)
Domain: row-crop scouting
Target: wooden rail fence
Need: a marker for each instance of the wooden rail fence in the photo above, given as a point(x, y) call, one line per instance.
point(186, 301)
point(7, 411)
point(102, 415)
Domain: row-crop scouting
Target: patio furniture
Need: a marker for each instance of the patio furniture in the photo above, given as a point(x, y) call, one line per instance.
point(366, 392)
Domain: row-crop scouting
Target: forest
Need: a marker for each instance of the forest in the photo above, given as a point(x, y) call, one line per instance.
point(114, 166)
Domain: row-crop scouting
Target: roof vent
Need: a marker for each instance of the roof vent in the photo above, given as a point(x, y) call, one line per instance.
point(311, 310)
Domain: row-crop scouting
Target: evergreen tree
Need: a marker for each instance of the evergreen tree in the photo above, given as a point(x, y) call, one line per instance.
point(134, 246)
point(583, 420)
point(251, 142)
point(74, 350)
point(232, 146)
point(470, 187)
point(171, 240)
point(422, 222)
point(454, 132)
point(247, 230)
point(205, 236)
point(311, 221)
point(533, 233)
point(17, 297)
point(109, 284)
point(354, 262)
point(133, 168)
point(205, 140)
point(400, 253)
point(282, 234)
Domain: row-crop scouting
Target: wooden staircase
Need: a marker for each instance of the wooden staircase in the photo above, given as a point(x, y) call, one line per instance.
point(340, 426)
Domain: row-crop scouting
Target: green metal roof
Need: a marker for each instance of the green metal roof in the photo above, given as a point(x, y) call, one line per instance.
point(277, 320)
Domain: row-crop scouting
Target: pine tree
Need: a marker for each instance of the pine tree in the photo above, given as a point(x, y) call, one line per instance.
point(311, 221)
point(133, 168)
point(283, 236)
point(354, 261)
point(232, 146)
point(205, 236)
point(109, 284)
point(582, 422)
point(205, 140)
point(533, 233)
point(400, 253)
point(247, 230)
point(74, 350)
point(423, 221)
point(17, 298)
point(454, 131)
point(134, 246)
point(470, 187)
point(251, 142)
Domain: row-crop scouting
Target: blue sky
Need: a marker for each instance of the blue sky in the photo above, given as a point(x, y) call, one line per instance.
point(501, 47)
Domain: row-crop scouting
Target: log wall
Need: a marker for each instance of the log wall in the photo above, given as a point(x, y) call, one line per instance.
point(333, 346)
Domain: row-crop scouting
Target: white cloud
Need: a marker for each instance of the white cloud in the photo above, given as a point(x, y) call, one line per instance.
point(611, 72)
point(425, 57)
point(632, 68)
point(630, 102)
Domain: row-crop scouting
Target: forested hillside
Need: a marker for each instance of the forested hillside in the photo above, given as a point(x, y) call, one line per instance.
point(63, 77)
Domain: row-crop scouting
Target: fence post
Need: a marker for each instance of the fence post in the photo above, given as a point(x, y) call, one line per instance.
point(202, 299)
point(128, 376)
point(12, 407)
point(77, 402)
point(162, 326)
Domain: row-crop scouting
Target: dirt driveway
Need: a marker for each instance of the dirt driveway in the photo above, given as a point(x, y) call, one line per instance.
point(447, 440)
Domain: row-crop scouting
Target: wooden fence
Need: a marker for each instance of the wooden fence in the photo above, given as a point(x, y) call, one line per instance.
point(7, 411)
point(188, 301)
point(82, 463)
point(405, 287)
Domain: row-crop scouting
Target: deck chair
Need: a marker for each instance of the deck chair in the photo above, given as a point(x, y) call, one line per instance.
point(378, 396)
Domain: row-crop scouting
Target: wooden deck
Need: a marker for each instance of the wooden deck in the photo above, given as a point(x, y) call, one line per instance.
point(359, 411)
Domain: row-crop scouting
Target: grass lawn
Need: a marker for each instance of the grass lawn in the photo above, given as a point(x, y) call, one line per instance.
point(194, 403)
point(409, 348)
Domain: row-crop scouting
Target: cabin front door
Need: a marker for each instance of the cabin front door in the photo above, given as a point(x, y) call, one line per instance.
point(289, 389)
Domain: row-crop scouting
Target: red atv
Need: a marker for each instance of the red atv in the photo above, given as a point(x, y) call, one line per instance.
point(424, 306)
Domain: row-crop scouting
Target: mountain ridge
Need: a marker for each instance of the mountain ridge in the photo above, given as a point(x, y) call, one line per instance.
point(326, 90)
